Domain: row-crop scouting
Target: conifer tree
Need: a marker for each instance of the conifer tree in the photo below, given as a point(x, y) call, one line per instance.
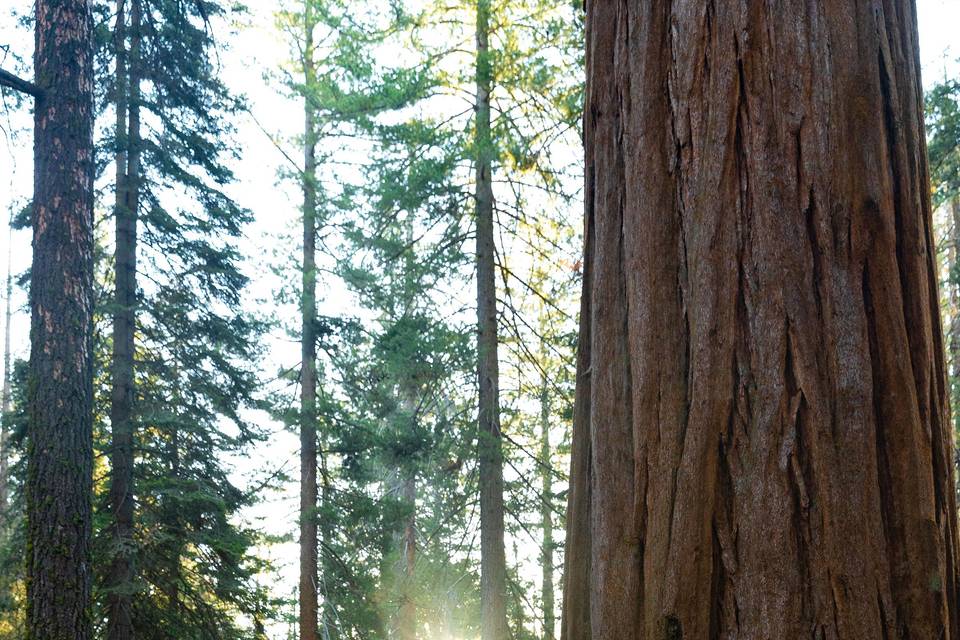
point(309, 542)
point(182, 359)
point(943, 131)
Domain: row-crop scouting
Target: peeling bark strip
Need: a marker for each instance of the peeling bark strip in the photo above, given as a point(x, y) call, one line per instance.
point(761, 446)
point(60, 386)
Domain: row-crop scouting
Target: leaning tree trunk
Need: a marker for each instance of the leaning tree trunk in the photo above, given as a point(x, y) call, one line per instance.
point(762, 446)
point(493, 571)
point(308, 367)
point(60, 384)
point(126, 205)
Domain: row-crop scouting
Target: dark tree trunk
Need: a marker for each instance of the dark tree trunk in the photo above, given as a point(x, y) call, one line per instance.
point(126, 208)
point(762, 446)
point(60, 385)
point(493, 572)
point(308, 371)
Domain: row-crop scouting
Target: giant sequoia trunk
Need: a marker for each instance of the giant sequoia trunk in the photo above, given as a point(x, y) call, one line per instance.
point(308, 367)
point(60, 385)
point(126, 205)
point(493, 564)
point(762, 447)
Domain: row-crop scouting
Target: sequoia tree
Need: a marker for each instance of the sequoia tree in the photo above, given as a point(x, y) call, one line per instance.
point(762, 446)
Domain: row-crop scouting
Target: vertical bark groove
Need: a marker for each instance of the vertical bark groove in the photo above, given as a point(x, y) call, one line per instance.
point(761, 322)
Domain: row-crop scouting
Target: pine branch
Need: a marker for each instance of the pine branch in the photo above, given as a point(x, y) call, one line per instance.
point(7, 79)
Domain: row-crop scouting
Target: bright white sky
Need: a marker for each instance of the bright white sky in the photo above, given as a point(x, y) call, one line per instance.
point(257, 51)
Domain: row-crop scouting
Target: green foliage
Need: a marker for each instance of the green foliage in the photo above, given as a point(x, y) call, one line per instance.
point(13, 519)
point(196, 347)
point(398, 411)
point(943, 135)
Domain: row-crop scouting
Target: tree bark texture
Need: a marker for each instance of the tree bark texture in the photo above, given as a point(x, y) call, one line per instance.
point(493, 571)
point(308, 371)
point(60, 384)
point(762, 447)
point(123, 394)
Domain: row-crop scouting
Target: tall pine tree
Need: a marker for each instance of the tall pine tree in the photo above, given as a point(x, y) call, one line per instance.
point(182, 359)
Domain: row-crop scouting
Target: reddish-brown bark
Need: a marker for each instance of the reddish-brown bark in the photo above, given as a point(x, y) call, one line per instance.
point(762, 447)
point(60, 385)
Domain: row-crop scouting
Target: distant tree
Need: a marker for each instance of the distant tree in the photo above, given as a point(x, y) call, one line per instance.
point(12, 518)
point(182, 350)
point(943, 126)
point(943, 141)
point(761, 443)
point(6, 404)
point(309, 541)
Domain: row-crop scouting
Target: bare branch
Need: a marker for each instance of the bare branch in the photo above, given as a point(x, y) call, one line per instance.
point(7, 79)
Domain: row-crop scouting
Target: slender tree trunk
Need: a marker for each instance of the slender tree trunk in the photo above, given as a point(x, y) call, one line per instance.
point(325, 534)
point(7, 404)
point(173, 524)
point(493, 571)
point(406, 621)
point(126, 204)
point(410, 397)
point(308, 376)
point(546, 513)
point(763, 449)
point(60, 383)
